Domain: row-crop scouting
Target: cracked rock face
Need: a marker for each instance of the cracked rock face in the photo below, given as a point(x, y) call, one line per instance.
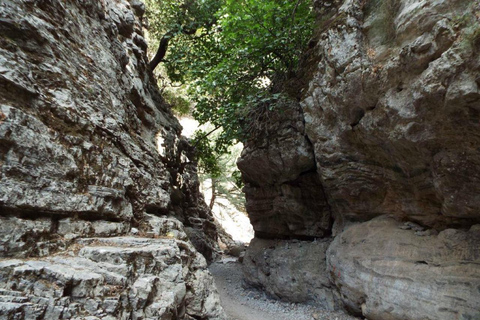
point(111, 278)
point(391, 115)
point(98, 195)
point(385, 272)
point(84, 133)
point(284, 195)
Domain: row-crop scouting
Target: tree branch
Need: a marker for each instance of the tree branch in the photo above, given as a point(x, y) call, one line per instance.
point(293, 18)
point(163, 46)
point(161, 51)
point(206, 135)
point(214, 195)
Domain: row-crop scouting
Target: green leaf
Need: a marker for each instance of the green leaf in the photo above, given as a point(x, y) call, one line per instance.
point(229, 65)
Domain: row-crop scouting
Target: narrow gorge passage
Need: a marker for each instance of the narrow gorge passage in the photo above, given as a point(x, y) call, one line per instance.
point(242, 302)
point(359, 162)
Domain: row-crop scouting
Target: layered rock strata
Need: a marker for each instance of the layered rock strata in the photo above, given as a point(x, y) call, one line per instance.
point(380, 267)
point(89, 149)
point(111, 278)
point(391, 111)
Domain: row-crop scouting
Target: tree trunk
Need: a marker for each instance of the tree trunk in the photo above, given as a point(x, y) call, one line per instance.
point(212, 200)
point(161, 52)
point(162, 48)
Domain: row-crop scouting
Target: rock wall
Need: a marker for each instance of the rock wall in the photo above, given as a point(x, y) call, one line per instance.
point(284, 196)
point(391, 111)
point(393, 114)
point(92, 168)
point(384, 270)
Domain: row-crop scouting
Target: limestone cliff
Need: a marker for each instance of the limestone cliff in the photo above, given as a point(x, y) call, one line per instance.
point(388, 131)
point(92, 168)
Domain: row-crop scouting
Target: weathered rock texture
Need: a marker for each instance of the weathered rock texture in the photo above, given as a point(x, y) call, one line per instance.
point(393, 115)
point(287, 270)
point(88, 148)
point(284, 195)
point(381, 268)
point(111, 278)
point(391, 111)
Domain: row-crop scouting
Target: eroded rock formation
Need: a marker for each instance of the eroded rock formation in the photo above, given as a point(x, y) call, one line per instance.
point(382, 266)
point(284, 195)
point(291, 270)
point(394, 117)
point(391, 112)
point(92, 168)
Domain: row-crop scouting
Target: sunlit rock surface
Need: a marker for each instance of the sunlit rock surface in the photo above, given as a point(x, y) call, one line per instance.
point(89, 149)
point(111, 278)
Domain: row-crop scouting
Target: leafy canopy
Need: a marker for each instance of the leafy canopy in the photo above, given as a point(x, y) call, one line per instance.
point(228, 53)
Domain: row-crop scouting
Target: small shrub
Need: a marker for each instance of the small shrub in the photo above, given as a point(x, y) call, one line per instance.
point(180, 105)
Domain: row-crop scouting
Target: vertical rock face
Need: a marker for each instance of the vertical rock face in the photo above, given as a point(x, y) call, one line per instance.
point(88, 148)
point(284, 195)
point(391, 110)
point(84, 132)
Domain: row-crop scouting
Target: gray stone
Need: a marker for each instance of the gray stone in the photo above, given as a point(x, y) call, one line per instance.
point(284, 196)
point(81, 122)
point(290, 270)
point(389, 108)
point(107, 228)
point(163, 226)
point(111, 277)
point(138, 7)
point(88, 151)
point(23, 237)
point(71, 229)
point(392, 126)
point(384, 272)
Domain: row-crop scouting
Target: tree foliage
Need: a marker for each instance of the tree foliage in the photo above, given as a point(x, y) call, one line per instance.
point(228, 53)
point(172, 19)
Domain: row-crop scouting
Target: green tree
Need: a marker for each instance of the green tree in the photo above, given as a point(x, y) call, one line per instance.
point(187, 19)
point(229, 53)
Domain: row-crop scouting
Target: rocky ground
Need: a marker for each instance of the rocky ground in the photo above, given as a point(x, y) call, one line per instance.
point(111, 278)
point(245, 303)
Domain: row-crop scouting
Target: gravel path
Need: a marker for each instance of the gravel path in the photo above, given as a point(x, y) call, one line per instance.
point(251, 304)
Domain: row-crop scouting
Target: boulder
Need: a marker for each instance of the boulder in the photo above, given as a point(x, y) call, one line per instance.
point(284, 196)
point(290, 270)
point(386, 272)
